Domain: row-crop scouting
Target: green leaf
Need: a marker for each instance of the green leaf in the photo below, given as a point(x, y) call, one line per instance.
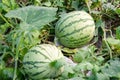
point(99, 76)
point(113, 69)
point(118, 32)
point(33, 19)
point(80, 55)
point(9, 5)
point(7, 74)
point(114, 44)
point(76, 78)
point(4, 27)
point(34, 15)
point(117, 11)
point(2, 64)
point(75, 4)
point(84, 66)
point(108, 6)
point(68, 72)
point(113, 41)
point(84, 54)
point(47, 3)
point(1, 7)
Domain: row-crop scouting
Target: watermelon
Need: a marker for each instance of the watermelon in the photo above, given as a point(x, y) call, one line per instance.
point(75, 29)
point(43, 61)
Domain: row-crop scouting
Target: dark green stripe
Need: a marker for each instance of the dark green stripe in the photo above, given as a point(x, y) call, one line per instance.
point(47, 51)
point(72, 23)
point(38, 73)
point(61, 21)
point(75, 31)
point(34, 67)
point(78, 42)
point(81, 40)
point(36, 51)
point(46, 73)
point(33, 62)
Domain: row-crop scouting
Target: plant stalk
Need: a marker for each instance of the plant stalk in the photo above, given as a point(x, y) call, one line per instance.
point(6, 20)
point(110, 51)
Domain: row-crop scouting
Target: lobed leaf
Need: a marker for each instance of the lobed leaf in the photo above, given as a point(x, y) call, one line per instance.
point(34, 15)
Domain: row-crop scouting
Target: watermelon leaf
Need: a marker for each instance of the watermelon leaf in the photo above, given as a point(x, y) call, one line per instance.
point(34, 15)
point(33, 19)
point(114, 44)
point(99, 76)
point(118, 32)
point(80, 55)
point(113, 68)
point(117, 11)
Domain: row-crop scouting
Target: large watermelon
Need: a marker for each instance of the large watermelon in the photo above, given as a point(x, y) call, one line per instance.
point(75, 29)
point(43, 61)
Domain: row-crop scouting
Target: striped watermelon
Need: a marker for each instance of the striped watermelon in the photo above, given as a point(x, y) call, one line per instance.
point(43, 61)
point(75, 29)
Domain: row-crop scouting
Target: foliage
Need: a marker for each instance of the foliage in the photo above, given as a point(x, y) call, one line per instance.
point(117, 32)
point(112, 68)
point(26, 23)
point(28, 31)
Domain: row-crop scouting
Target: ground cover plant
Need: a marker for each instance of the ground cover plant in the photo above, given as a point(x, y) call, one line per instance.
point(26, 25)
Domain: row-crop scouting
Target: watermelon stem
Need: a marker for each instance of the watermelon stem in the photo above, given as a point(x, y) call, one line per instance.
point(110, 51)
point(57, 64)
point(88, 5)
point(6, 20)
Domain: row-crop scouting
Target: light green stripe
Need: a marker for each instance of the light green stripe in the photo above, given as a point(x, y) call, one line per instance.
point(33, 62)
point(47, 51)
point(38, 73)
point(78, 42)
point(72, 23)
point(63, 19)
point(36, 51)
point(75, 31)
